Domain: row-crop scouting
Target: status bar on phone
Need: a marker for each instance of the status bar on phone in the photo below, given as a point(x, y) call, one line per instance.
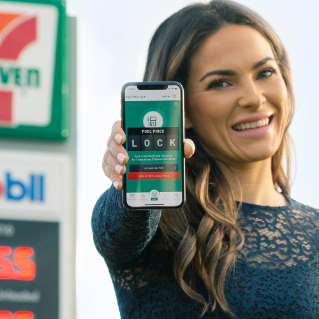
point(172, 93)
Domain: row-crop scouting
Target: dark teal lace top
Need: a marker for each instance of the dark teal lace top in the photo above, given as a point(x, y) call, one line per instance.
point(276, 276)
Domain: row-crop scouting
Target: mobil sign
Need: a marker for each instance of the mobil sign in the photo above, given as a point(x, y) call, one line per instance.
point(32, 182)
point(33, 70)
point(12, 188)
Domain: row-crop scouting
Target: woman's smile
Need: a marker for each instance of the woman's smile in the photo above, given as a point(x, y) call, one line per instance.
point(252, 122)
point(250, 129)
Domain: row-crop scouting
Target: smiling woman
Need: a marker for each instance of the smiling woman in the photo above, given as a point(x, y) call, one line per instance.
point(240, 247)
point(251, 89)
point(237, 104)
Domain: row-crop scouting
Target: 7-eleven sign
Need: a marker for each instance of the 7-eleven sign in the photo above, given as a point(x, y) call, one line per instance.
point(32, 82)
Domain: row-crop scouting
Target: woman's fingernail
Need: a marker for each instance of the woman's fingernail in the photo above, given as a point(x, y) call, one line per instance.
point(120, 157)
point(192, 146)
point(118, 168)
point(116, 184)
point(118, 138)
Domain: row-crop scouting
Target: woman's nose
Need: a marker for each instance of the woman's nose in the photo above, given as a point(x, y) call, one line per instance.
point(251, 96)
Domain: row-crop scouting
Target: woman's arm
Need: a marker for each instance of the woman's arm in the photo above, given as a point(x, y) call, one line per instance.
point(120, 234)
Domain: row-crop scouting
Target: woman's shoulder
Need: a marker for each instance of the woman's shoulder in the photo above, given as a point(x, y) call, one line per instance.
point(303, 210)
point(292, 206)
point(279, 237)
point(300, 217)
point(293, 214)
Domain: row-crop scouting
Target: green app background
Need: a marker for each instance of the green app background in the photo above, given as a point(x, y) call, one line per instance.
point(134, 115)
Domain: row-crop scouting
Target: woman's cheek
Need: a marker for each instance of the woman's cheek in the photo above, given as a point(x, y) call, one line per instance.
point(209, 106)
point(280, 100)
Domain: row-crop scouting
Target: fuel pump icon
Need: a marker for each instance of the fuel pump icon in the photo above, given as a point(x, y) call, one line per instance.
point(152, 120)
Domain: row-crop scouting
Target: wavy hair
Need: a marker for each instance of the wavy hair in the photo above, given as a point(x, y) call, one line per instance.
point(204, 234)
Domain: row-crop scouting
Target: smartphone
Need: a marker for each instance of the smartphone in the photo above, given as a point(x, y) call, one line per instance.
point(153, 121)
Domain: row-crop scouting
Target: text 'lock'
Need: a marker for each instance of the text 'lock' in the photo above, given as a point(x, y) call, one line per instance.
point(153, 142)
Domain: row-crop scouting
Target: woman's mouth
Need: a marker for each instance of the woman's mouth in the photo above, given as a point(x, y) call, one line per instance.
point(252, 125)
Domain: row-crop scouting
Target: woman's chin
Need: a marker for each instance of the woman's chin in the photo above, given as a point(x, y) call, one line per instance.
point(253, 156)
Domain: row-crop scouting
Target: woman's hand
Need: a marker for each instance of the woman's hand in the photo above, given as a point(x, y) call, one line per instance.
point(116, 157)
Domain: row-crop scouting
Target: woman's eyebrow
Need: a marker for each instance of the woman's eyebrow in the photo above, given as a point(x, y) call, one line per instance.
point(261, 62)
point(218, 72)
point(231, 72)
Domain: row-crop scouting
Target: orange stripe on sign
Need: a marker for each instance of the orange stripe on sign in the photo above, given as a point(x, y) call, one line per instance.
point(23, 315)
point(14, 43)
point(151, 175)
point(6, 18)
point(5, 314)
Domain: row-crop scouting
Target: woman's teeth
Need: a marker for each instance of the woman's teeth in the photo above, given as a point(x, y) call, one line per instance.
point(246, 126)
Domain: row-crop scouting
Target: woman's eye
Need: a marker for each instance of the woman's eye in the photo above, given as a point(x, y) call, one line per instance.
point(218, 84)
point(266, 73)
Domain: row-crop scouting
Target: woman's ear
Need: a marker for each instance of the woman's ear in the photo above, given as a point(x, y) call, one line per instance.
point(188, 123)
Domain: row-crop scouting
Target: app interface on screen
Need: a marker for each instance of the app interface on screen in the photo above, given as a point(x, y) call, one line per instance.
point(153, 131)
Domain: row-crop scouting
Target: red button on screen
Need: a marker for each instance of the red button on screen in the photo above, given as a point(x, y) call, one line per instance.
point(153, 175)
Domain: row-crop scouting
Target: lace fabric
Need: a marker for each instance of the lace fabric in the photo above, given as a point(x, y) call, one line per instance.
point(278, 237)
point(276, 274)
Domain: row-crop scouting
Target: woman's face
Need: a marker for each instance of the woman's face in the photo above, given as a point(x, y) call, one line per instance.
point(234, 89)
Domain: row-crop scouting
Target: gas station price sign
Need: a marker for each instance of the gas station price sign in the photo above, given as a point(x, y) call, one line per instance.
point(37, 236)
point(29, 263)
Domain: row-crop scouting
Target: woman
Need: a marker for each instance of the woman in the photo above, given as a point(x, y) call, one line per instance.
point(240, 247)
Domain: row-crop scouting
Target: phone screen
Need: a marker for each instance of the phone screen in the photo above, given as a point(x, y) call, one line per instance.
point(153, 124)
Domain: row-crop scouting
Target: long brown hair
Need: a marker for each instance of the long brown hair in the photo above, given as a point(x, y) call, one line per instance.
point(204, 234)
